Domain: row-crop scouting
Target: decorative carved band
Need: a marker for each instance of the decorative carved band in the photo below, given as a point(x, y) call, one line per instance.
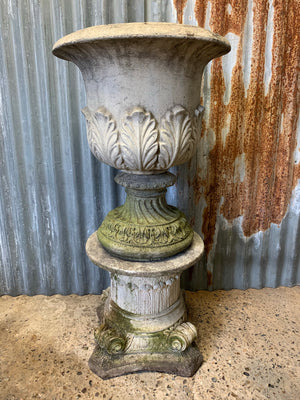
point(145, 227)
point(145, 236)
point(156, 284)
point(141, 144)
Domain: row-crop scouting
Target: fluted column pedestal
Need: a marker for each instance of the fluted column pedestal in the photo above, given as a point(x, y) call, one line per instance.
point(143, 324)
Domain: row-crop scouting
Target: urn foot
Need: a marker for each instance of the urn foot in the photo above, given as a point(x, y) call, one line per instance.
point(145, 227)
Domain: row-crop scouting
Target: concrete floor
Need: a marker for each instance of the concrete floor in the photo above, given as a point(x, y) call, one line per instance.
point(249, 340)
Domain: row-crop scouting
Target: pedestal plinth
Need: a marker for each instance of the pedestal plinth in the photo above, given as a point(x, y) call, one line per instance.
point(143, 324)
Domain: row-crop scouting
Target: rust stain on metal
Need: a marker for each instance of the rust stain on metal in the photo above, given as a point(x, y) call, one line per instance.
point(179, 5)
point(209, 278)
point(261, 128)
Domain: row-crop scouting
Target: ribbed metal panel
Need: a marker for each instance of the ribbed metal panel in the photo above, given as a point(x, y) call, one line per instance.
point(54, 194)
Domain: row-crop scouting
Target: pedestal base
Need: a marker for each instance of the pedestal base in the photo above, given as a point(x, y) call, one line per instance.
point(106, 365)
point(143, 325)
point(182, 364)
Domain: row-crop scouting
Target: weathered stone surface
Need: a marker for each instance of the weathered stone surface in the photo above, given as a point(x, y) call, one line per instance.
point(143, 323)
point(141, 144)
point(171, 350)
point(176, 264)
point(145, 227)
point(149, 182)
point(143, 90)
point(143, 116)
point(183, 364)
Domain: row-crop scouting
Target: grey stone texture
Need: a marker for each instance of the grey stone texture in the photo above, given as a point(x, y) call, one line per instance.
point(143, 83)
point(176, 264)
point(143, 323)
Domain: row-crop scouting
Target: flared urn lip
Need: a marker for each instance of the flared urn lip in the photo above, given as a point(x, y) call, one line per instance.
point(139, 30)
point(143, 82)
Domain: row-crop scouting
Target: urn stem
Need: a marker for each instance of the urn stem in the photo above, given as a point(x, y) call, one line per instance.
point(146, 227)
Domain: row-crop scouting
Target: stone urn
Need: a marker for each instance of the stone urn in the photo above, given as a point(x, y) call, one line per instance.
point(143, 83)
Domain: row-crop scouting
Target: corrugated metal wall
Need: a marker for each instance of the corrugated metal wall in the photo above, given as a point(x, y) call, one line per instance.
point(241, 191)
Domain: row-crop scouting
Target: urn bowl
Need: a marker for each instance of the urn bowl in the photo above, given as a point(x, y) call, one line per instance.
point(143, 84)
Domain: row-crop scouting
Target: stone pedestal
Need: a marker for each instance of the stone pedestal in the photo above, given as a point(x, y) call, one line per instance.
point(143, 85)
point(143, 324)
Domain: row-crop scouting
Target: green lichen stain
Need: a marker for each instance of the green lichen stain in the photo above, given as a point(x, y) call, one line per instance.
point(129, 284)
point(145, 227)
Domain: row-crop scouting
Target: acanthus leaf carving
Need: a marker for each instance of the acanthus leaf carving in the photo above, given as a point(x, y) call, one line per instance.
point(103, 136)
point(177, 138)
point(153, 236)
point(139, 140)
point(140, 145)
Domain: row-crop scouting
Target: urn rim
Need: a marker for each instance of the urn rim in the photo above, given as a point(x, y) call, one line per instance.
point(140, 30)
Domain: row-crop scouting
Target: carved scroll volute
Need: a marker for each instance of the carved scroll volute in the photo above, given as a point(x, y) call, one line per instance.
point(110, 340)
point(182, 337)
